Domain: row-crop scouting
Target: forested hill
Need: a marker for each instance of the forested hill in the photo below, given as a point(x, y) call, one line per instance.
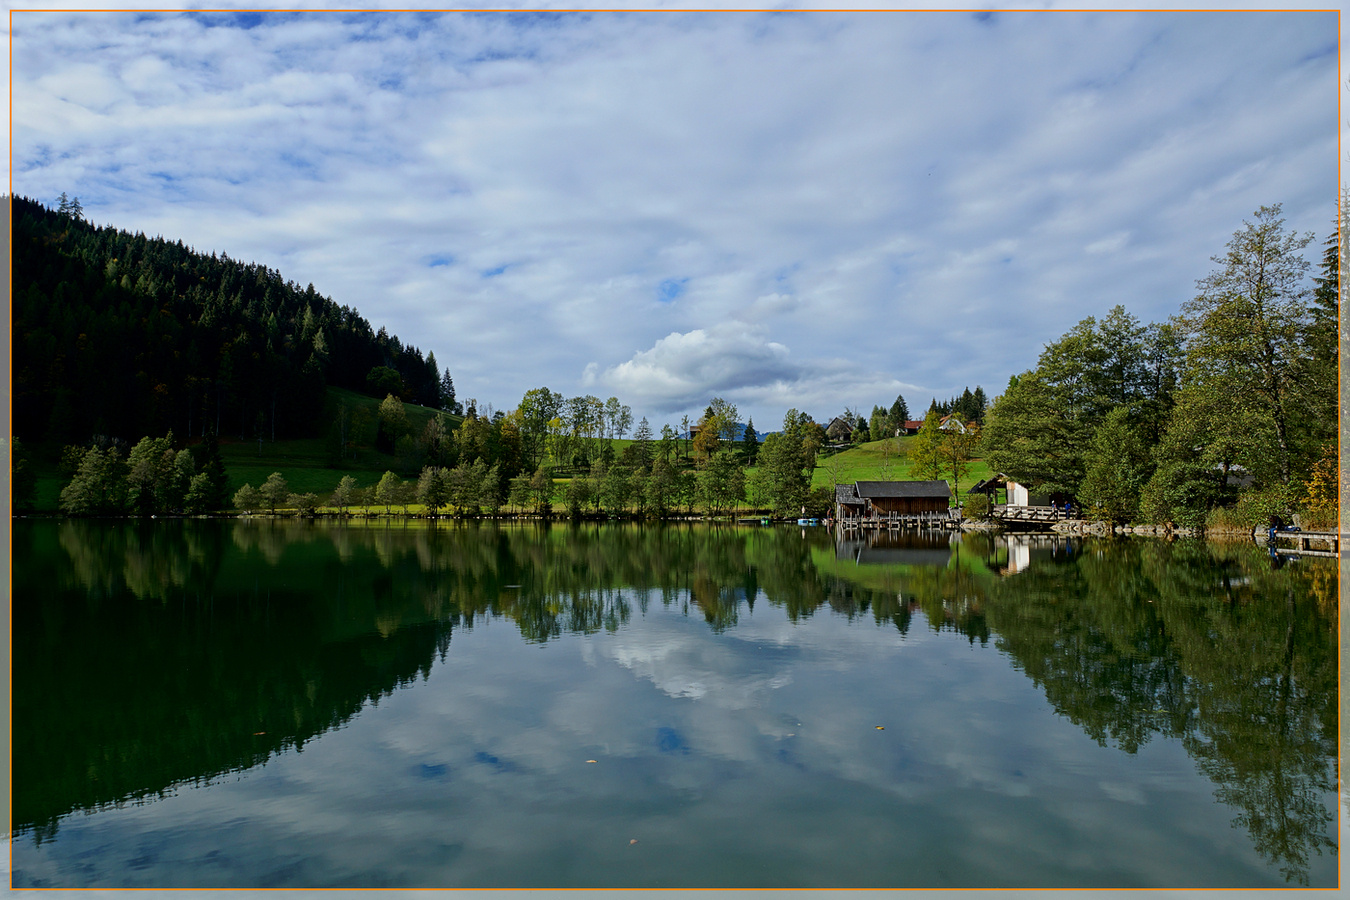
point(121, 335)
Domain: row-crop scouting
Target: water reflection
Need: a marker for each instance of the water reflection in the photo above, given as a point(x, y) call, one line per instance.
point(152, 655)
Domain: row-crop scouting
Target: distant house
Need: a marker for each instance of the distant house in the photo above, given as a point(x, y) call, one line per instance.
point(839, 429)
point(953, 423)
point(870, 499)
point(911, 426)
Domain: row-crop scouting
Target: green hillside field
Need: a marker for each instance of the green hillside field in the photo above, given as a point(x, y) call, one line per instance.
point(870, 462)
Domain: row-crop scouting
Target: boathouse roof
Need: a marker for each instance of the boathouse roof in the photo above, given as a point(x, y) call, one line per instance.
point(846, 493)
point(903, 489)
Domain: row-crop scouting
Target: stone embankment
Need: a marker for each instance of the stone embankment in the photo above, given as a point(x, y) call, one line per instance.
point(1083, 526)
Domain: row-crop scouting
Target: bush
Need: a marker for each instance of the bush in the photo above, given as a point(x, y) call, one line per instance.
point(977, 506)
point(1254, 509)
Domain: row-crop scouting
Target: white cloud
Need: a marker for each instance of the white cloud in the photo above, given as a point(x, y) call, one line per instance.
point(850, 202)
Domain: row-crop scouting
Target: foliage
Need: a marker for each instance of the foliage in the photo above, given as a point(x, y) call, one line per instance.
point(274, 491)
point(1256, 508)
point(154, 484)
point(344, 494)
point(1032, 437)
point(977, 506)
point(98, 487)
point(1246, 326)
point(1321, 497)
point(819, 503)
point(750, 442)
point(433, 489)
point(787, 460)
point(576, 495)
point(721, 483)
point(247, 498)
point(957, 449)
point(541, 490)
point(926, 451)
point(306, 504)
point(1117, 470)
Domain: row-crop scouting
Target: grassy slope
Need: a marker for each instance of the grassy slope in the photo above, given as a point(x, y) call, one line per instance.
point(867, 462)
point(304, 462)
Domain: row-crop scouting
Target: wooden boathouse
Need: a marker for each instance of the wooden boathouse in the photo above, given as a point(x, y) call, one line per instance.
point(873, 503)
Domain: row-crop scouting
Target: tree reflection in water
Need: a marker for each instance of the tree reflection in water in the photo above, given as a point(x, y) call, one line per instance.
point(154, 654)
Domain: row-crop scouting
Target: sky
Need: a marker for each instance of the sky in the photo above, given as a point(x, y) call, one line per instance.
point(810, 210)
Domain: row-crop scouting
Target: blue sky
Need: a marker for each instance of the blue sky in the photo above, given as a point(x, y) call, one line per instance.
point(811, 210)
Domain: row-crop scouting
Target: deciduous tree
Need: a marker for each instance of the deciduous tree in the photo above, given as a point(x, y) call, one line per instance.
point(1248, 320)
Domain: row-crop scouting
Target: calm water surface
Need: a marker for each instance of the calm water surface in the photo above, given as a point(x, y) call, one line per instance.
point(232, 704)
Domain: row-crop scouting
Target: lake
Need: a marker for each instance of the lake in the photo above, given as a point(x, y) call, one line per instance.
point(299, 704)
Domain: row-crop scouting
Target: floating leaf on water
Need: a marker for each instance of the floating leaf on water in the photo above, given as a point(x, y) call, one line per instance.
point(590, 760)
point(881, 728)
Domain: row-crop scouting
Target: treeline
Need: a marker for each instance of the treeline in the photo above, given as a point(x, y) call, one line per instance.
point(885, 422)
point(970, 406)
point(482, 466)
point(1225, 415)
point(121, 335)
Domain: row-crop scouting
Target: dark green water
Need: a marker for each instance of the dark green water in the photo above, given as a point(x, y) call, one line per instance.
point(222, 704)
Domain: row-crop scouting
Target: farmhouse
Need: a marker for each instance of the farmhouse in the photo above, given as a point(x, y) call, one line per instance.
point(839, 429)
point(953, 423)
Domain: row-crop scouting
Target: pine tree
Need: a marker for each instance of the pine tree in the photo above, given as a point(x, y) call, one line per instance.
point(750, 442)
point(448, 401)
point(899, 411)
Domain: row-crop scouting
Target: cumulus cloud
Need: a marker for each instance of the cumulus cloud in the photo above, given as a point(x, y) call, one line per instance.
point(681, 369)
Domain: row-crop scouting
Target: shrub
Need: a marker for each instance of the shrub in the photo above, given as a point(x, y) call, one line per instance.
point(977, 506)
point(1254, 509)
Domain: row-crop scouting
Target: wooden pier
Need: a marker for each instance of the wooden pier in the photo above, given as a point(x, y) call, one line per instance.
point(1027, 515)
point(944, 519)
point(1303, 542)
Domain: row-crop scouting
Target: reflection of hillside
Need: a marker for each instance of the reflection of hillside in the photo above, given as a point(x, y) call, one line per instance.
point(150, 655)
point(1199, 642)
point(213, 668)
point(153, 654)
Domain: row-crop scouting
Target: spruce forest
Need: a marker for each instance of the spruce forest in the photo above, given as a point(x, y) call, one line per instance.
point(121, 336)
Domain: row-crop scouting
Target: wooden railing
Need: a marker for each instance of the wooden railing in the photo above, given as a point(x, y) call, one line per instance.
point(1027, 513)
